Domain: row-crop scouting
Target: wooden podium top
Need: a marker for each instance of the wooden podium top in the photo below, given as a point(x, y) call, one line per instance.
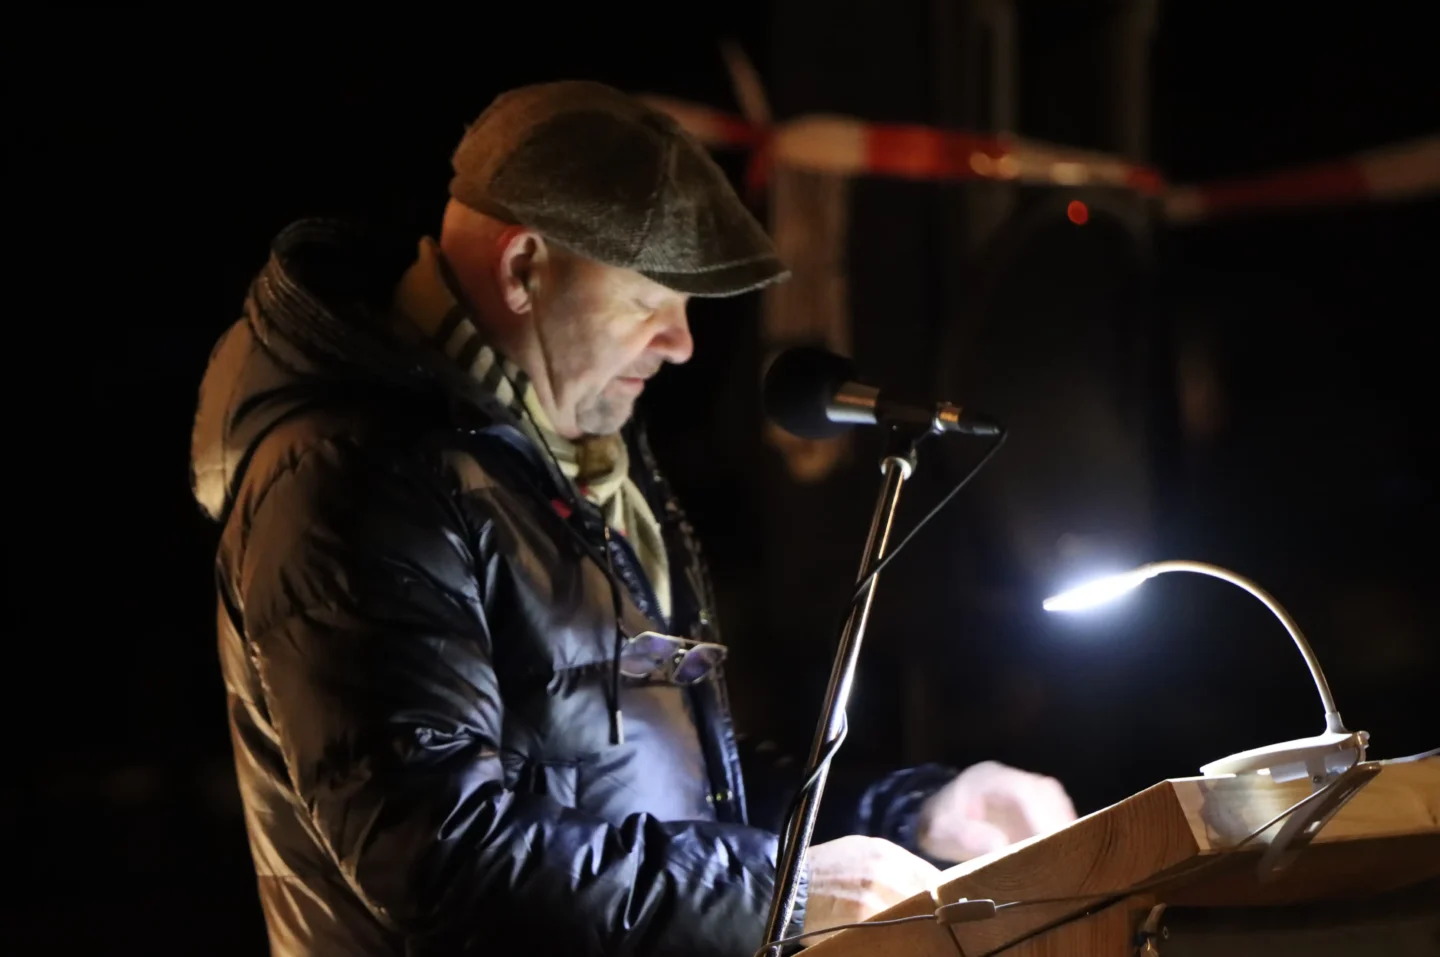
point(1173, 843)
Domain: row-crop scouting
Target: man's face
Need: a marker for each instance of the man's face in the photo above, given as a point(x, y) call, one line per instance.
point(604, 331)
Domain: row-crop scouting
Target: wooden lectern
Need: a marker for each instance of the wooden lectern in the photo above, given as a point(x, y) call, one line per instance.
point(1159, 875)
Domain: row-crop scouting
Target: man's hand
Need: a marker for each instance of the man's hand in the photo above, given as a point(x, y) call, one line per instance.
point(854, 878)
point(987, 807)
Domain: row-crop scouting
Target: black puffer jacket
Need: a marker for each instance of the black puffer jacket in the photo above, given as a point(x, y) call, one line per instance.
point(417, 652)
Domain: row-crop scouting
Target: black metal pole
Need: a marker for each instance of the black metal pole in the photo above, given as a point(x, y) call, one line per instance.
point(896, 468)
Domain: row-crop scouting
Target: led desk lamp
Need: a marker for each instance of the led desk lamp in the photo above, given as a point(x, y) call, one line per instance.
point(1319, 758)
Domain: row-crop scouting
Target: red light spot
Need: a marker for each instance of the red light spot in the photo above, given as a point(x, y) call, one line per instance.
point(1077, 212)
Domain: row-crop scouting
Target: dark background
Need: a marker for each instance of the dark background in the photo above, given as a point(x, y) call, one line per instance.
point(153, 156)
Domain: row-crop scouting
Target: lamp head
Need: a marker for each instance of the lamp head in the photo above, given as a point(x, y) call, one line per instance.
point(1098, 591)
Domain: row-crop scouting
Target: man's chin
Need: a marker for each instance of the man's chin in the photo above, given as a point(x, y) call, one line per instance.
point(607, 415)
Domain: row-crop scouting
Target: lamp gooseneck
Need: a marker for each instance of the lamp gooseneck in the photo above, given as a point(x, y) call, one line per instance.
point(1332, 714)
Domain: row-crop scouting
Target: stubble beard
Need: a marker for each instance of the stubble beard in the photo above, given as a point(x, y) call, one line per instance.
point(603, 414)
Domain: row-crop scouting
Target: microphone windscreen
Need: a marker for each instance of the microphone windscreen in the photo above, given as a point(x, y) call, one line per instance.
point(798, 389)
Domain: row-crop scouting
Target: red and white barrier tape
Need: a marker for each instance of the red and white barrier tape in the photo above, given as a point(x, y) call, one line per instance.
point(1396, 172)
point(849, 147)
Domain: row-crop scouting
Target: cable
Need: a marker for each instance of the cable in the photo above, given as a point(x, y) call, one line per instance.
point(974, 470)
point(1107, 900)
point(831, 748)
point(828, 753)
point(812, 773)
point(577, 505)
point(830, 930)
point(970, 910)
point(1196, 868)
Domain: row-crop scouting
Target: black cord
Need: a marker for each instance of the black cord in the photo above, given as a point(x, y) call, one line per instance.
point(1107, 898)
point(617, 734)
point(1195, 869)
point(974, 470)
point(812, 774)
point(831, 748)
point(617, 718)
point(577, 505)
point(830, 930)
point(828, 753)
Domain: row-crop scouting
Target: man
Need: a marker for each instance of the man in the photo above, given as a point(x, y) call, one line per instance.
point(474, 692)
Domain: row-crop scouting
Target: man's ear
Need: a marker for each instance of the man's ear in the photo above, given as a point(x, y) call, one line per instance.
point(522, 253)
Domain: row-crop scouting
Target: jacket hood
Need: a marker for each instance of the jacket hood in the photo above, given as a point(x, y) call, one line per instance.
point(315, 328)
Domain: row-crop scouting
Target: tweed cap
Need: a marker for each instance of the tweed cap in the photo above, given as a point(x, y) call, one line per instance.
point(606, 176)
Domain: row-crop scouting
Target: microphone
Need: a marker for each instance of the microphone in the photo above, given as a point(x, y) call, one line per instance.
point(817, 394)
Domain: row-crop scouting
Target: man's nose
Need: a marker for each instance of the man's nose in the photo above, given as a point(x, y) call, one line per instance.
point(672, 341)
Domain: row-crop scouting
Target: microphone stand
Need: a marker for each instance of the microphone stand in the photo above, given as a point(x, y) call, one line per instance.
point(896, 467)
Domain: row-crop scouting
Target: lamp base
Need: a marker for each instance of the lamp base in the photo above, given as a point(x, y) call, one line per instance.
point(1319, 758)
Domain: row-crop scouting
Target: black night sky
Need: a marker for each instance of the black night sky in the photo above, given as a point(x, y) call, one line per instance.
point(153, 156)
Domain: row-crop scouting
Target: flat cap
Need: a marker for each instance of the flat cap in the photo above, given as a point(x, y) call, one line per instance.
point(608, 177)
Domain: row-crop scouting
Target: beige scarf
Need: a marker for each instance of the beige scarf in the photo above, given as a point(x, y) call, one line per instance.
point(598, 465)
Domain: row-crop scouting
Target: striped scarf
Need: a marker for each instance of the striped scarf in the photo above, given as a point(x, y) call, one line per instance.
point(427, 300)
